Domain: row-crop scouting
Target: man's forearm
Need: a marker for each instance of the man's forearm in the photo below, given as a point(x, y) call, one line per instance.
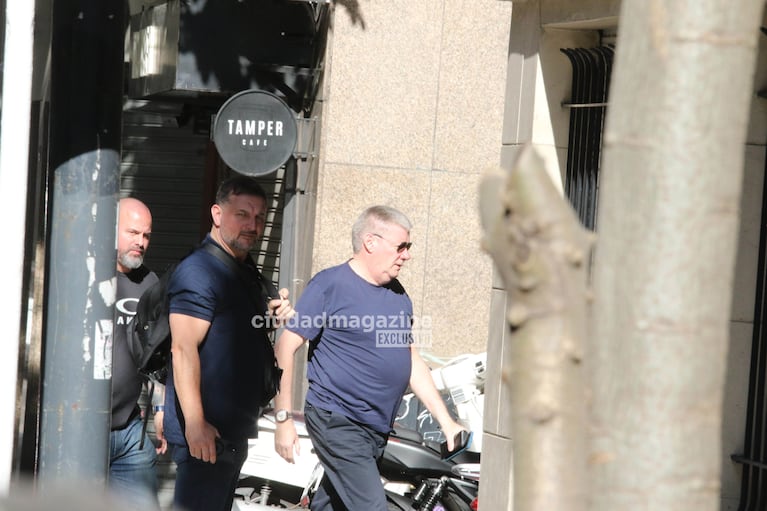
point(158, 394)
point(285, 351)
point(187, 334)
point(283, 399)
point(422, 384)
point(186, 377)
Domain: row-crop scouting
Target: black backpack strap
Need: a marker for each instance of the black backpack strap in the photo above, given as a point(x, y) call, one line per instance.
point(249, 275)
point(267, 287)
point(146, 416)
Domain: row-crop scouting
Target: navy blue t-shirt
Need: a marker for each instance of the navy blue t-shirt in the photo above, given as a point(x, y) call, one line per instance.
point(360, 354)
point(231, 377)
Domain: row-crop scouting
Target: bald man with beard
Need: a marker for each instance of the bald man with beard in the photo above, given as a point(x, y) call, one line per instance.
point(132, 464)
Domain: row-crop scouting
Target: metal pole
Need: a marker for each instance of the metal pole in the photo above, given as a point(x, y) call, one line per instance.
point(85, 132)
point(291, 275)
point(14, 167)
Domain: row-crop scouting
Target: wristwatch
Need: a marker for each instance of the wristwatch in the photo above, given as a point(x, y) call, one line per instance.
point(282, 415)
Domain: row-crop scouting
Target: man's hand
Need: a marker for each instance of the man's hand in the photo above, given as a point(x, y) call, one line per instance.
point(201, 438)
point(450, 430)
point(159, 433)
point(286, 441)
point(280, 308)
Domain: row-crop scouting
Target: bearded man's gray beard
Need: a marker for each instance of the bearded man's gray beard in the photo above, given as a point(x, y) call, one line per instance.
point(131, 262)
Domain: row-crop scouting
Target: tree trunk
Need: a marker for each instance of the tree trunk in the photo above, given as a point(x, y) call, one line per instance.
point(669, 199)
point(541, 251)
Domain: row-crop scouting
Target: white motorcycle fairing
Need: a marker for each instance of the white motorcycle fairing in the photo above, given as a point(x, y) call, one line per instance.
point(265, 464)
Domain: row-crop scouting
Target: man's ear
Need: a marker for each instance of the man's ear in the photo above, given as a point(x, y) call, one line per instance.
point(215, 214)
point(369, 242)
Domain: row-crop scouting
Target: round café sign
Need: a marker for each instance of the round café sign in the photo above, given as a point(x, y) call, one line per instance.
point(255, 132)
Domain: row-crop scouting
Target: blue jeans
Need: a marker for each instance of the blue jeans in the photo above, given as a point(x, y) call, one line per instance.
point(202, 486)
point(133, 471)
point(348, 452)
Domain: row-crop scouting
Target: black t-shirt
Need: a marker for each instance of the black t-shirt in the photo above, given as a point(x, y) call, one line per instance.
point(126, 382)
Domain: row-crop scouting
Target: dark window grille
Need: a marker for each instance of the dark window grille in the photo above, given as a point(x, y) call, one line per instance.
point(591, 82)
point(753, 489)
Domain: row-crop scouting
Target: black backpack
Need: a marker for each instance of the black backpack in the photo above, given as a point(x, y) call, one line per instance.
point(150, 340)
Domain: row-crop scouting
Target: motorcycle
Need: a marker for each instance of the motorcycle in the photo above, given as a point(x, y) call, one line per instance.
point(416, 477)
point(411, 460)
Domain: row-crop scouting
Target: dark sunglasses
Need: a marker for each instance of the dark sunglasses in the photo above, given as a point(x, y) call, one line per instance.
point(405, 245)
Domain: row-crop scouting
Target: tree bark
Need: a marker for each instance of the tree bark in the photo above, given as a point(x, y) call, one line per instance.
point(669, 199)
point(541, 251)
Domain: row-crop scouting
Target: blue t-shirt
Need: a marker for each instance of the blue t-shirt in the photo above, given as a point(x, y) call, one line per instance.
point(231, 377)
point(360, 333)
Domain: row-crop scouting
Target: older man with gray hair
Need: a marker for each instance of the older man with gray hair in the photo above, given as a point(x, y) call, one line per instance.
point(357, 317)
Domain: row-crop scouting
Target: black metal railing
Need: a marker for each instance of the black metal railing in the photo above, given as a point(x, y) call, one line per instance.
point(591, 83)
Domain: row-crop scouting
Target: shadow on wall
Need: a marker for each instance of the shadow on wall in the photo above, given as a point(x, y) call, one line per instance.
point(272, 45)
point(353, 9)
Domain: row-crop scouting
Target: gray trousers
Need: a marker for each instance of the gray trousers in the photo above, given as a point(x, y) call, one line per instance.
point(348, 451)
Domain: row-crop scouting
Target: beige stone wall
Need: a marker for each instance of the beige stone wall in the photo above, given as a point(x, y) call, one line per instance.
point(413, 110)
